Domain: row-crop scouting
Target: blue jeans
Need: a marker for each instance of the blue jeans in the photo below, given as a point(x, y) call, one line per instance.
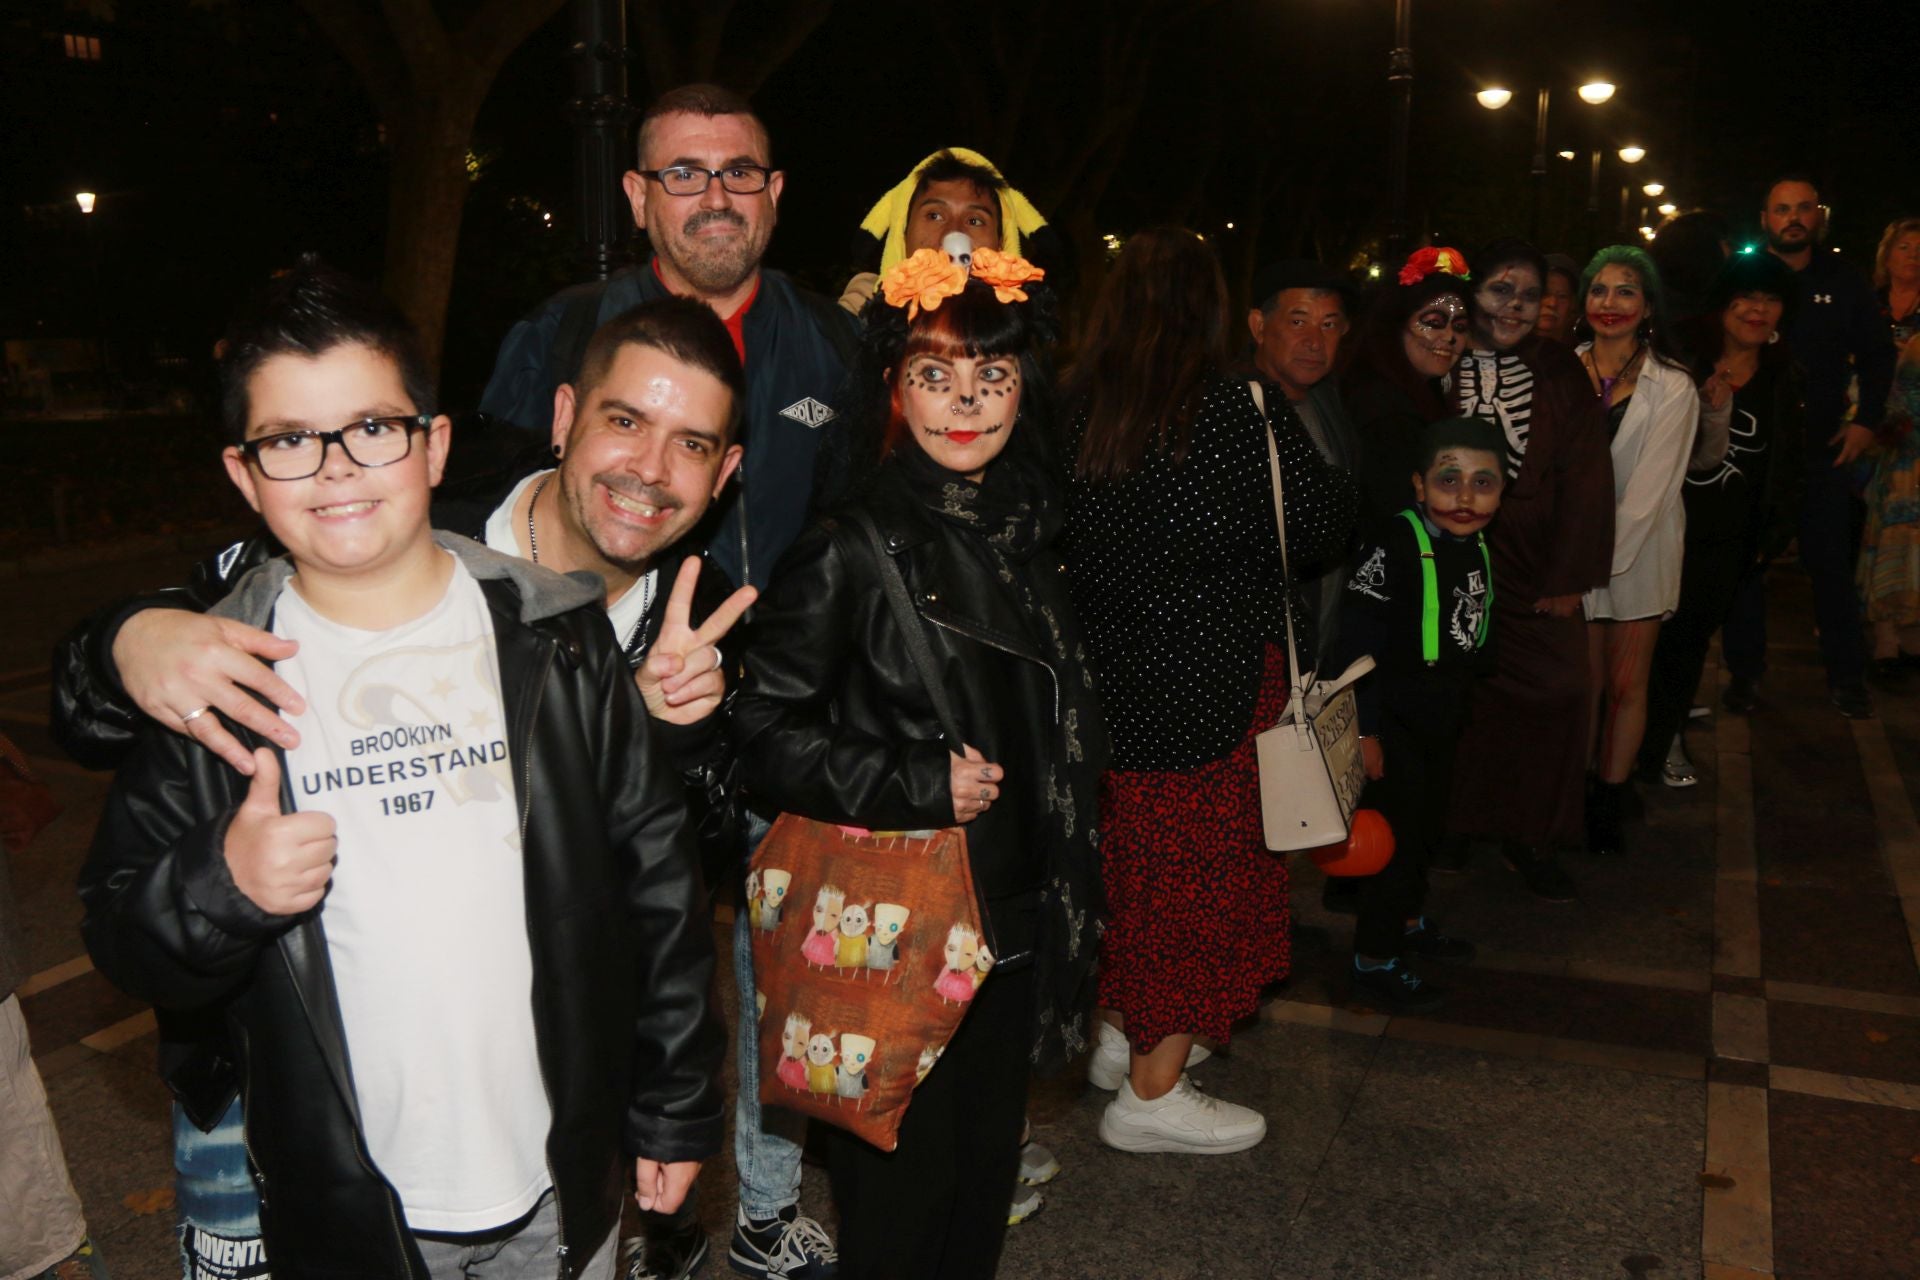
point(219, 1207)
point(766, 1142)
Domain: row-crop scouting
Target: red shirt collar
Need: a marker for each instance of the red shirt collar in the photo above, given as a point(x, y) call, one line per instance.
point(737, 322)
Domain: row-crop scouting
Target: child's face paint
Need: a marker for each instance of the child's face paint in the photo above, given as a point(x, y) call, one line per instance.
point(1461, 490)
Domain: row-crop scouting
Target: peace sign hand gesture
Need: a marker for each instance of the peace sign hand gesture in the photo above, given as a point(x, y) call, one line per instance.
point(681, 679)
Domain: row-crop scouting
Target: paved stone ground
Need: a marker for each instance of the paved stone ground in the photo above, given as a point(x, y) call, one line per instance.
point(1707, 1067)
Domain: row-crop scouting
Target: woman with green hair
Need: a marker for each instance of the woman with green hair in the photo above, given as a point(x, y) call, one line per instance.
point(1652, 412)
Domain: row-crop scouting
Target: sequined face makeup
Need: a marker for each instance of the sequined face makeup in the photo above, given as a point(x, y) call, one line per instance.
point(1435, 335)
point(961, 410)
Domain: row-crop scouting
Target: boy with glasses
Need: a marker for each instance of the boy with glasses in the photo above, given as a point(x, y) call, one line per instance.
point(457, 931)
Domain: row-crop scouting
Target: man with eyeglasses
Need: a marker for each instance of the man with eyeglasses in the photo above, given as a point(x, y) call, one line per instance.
point(707, 195)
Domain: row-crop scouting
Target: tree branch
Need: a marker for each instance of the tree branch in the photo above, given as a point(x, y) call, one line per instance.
point(368, 49)
point(500, 27)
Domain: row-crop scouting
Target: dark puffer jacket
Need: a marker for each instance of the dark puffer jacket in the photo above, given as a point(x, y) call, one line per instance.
point(629, 1045)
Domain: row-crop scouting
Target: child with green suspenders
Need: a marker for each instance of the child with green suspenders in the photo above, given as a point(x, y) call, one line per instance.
point(1421, 602)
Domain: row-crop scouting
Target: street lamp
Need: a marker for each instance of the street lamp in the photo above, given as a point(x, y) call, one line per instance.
point(85, 200)
point(1565, 155)
point(1400, 82)
point(1655, 188)
point(1494, 97)
point(1632, 155)
point(1668, 209)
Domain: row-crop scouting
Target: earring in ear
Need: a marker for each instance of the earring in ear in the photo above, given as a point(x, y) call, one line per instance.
point(1773, 337)
point(556, 450)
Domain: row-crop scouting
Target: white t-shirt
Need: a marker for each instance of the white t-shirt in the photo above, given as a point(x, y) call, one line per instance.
point(503, 534)
point(404, 742)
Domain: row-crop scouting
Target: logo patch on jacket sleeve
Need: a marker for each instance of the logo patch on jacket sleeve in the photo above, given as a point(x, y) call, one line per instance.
point(809, 413)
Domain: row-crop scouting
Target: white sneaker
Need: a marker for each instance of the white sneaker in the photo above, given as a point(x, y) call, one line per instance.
point(1107, 1066)
point(1183, 1119)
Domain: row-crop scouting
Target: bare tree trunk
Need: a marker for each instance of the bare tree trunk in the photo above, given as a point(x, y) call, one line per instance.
point(426, 203)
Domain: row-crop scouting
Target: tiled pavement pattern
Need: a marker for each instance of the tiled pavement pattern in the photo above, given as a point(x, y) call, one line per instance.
point(1707, 1067)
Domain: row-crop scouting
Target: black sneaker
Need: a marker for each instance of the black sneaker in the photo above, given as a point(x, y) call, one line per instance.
point(1396, 986)
point(789, 1247)
point(671, 1253)
point(1853, 702)
point(1741, 696)
point(1342, 895)
point(1425, 940)
point(1542, 874)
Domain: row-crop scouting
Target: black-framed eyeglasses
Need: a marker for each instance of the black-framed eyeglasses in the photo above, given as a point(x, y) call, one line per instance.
point(691, 180)
point(370, 442)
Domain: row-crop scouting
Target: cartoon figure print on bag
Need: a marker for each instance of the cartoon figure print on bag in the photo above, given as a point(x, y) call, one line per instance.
point(929, 1054)
point(962, 975)
point(852, 947)
point(792, 1071)
point(821, 948)
point(883, 949)
point(774, 884)
point(753, 899)
point(850, 1077)
point(820, 1064)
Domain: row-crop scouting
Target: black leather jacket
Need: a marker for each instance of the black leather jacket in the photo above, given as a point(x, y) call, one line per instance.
point(833, 721)
point(629, 1045)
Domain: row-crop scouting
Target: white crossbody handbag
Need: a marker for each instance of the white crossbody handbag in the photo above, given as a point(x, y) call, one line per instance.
point(1311, 770)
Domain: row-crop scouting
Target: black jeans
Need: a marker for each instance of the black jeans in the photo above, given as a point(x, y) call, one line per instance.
point(1829, 547)
point(1417, 745)
point(1714, 575)
point(935, 1208)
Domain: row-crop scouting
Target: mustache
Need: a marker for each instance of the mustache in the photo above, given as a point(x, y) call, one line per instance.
point(639, 491)
point(707, 217)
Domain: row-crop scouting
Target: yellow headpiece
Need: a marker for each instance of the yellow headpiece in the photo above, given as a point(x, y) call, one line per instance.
point(887, 220)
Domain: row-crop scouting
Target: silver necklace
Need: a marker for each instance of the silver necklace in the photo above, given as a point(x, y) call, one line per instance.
point(533, 542)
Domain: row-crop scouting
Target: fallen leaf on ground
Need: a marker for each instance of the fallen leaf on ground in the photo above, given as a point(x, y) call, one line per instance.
point(145, 1202)
point(1717, 1180)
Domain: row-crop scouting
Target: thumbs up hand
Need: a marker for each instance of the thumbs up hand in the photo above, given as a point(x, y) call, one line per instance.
point(280, 861)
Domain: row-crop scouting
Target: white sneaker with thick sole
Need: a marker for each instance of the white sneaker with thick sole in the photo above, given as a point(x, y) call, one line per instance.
point(1183, 1119)
point(1107, 1065)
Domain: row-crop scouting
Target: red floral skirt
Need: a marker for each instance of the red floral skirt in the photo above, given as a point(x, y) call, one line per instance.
point(1200, 916)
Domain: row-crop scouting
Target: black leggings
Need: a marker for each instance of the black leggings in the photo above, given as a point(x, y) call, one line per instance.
point(1711, 574)
point(935, 1208)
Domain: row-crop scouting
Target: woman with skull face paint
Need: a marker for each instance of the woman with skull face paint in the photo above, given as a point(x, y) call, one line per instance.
point(1395, 387)
point(1523, 763)
point(951, 484)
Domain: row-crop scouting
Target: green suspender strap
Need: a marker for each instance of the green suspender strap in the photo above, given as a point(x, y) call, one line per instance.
point(1430, 590)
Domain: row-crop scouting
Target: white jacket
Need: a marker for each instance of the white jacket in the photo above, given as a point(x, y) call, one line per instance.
point(1650, 453)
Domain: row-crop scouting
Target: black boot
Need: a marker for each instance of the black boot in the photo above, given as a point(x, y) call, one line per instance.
point(1541, 871)
point(1603, 817)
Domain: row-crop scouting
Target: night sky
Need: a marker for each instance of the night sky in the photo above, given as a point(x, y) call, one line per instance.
point(224, 138)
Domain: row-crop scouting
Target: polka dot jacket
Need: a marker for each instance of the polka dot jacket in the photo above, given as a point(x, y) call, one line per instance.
point(1176, 575)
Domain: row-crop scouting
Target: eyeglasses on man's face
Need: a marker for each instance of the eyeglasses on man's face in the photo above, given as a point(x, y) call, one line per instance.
point(691, 180)
point(370, 442)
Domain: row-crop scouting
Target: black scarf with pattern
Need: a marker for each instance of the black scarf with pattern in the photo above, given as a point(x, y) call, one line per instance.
point(1016, 513)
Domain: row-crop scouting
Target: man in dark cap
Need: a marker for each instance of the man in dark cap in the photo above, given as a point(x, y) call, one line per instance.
point(1298, 320)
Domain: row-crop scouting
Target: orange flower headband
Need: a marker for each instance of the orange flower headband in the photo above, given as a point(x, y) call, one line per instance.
point(930, 276)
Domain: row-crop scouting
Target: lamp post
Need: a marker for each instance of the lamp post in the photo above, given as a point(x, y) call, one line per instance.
point(1400, 83)
point(601, 113)
point(1594, 93)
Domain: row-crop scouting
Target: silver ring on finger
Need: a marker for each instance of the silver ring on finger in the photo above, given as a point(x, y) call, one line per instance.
point(718, 660)
point(190, 716)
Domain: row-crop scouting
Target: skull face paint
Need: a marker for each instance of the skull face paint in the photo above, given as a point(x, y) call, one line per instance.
point(1435, 335)
point(1507, 304)
point(960, 411)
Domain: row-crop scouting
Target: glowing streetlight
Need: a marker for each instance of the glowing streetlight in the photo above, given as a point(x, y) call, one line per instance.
point(1668, 209)
point(1632, 155)
point(1565, 155)
point(1646, 233)
point(1493, 98)
point(1595, 92)
point(85, 200)
point(1655, 188)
